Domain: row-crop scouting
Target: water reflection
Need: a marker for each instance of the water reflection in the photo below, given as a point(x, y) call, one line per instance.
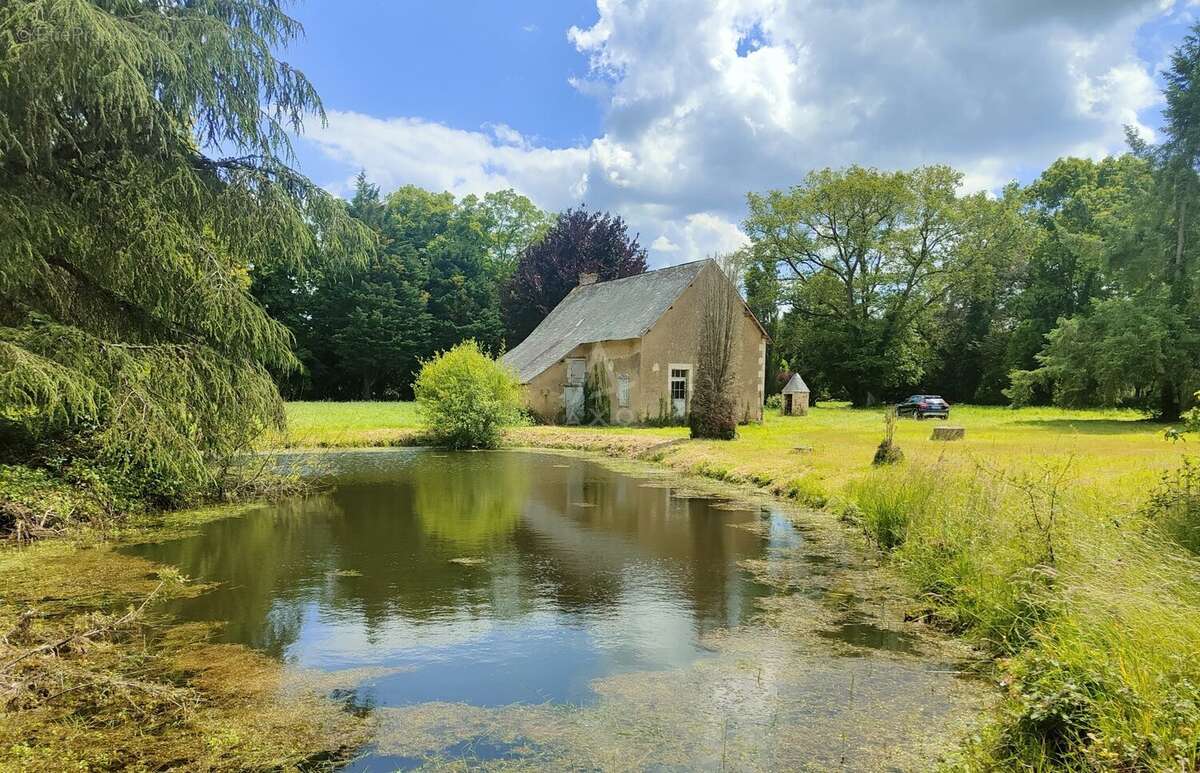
point(488, 578)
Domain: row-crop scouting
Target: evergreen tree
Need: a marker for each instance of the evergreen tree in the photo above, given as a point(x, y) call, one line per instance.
point(128, 336)
point(370, 325)
point(764, 293)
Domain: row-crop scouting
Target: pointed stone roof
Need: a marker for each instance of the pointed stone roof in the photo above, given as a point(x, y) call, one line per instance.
point(604, 311)
point(795, 385)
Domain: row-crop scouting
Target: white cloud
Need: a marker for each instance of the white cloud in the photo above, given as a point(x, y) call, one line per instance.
point(663, 244)
point(995, 88)
point(402, 151)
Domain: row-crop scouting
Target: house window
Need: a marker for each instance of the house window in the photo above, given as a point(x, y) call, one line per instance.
point(679, 384)
point(622, 391)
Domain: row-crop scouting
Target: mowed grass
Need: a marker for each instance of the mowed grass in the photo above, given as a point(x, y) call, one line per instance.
point(1118, 451)
point(329, 425)
point(1038, 537)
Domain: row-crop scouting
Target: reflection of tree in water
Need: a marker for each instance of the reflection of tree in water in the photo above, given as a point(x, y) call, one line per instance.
point(471, 500)
point(390, 564)
point(264, 562)
point(616, 523)
point(380, 549)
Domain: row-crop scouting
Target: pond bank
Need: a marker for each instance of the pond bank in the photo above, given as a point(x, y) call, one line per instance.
point(765, 691)
point(92, 675)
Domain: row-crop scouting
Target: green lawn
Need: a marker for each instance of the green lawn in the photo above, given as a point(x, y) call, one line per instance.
point(347, 424)
point(1118, 451)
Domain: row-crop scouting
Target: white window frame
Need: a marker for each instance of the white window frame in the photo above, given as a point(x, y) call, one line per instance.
point(691, 382)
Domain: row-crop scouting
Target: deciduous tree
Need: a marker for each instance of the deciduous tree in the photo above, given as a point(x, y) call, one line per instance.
point(869, 255)
point(578, 242)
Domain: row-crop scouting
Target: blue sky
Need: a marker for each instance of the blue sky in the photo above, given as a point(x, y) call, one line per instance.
point(669, 112)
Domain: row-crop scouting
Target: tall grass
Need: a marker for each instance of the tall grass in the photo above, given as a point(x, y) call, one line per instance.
point(1093, 614)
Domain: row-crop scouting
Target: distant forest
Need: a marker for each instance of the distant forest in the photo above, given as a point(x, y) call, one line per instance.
point(1078, 289)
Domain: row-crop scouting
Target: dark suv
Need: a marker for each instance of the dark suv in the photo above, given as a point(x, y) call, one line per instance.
point(921, 406)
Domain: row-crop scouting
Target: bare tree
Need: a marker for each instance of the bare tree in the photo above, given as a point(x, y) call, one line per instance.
point(714, 409)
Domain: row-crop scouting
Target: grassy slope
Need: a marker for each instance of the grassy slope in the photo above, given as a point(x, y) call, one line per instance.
point(1030, 537)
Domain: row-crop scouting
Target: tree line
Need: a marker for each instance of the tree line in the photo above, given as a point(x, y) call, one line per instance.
point(1078, 289)
point(487, 269)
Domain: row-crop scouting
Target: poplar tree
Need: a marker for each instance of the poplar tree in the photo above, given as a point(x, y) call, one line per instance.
point(143, 171)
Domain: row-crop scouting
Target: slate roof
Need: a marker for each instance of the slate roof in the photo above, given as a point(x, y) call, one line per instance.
point(795, 385)
point(604, 311)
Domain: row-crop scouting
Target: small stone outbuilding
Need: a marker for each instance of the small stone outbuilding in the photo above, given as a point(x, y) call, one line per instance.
point(795, 396)
point(629, 346)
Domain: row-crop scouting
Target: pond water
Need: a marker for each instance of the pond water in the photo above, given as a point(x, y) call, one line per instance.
point(513, 609)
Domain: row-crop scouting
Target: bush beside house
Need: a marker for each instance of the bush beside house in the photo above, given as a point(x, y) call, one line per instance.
point(465, 398)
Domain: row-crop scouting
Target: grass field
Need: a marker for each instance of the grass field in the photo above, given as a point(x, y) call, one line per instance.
point(347, 424)
point(1117, 451)
point(1055, 540)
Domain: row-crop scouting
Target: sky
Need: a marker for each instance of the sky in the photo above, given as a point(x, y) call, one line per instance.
point(668, 112)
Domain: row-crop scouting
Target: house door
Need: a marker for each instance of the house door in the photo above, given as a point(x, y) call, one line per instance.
point(679, 391)
point(573, 391)
point(787, 405)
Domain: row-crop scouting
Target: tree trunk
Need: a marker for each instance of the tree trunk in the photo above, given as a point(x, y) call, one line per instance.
point(1168, 406)
point(368, 386)
point(1175, 272)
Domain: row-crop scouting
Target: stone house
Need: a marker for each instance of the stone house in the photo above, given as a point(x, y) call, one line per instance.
point(628, 347)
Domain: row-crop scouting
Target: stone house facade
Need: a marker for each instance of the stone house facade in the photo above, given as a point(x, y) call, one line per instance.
point(630, 346)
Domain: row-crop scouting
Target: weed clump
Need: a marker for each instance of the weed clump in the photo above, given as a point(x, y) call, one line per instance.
point(888, 452)
point(887, 501)
point(1093, 619)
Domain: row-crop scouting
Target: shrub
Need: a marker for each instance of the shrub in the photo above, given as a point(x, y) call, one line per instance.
point(1174, 508)
point(35, 503)
point(774, 402)
point(466, 398)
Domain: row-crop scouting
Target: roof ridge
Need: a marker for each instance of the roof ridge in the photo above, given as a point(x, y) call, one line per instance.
point(644, 273)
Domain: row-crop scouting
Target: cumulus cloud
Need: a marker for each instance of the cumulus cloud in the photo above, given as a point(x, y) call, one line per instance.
point(403, 151)
point(705, 100)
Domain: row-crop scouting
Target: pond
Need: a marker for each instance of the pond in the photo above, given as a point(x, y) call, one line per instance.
point(520, 609)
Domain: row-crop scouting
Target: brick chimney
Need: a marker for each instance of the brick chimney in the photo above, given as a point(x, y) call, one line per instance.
point(588, 279)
